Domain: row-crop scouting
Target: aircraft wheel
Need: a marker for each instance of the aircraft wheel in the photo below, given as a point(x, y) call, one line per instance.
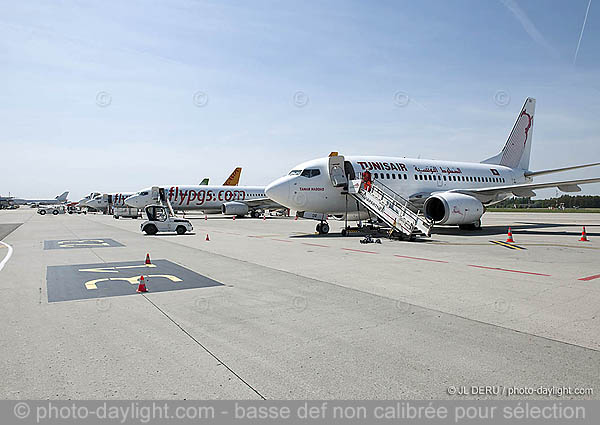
point(43, 212)
point(150, 229)
point(324, 228)
point(344, 232)
point(476, 225)
point(55, 212)
point(180, 230)
point(319, 228)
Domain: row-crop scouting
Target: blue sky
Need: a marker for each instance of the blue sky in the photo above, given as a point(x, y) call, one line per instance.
point(99, 95)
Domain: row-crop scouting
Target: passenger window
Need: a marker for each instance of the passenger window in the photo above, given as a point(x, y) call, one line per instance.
point(416, 178)
point(375, 175)
point(444, 178)
point(393, 177)
point(387, 176)
point(405, 177)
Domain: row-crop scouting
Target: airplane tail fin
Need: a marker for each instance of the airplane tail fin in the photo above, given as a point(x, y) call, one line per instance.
point(234, 178)
point(204, 182)
point(62, 197)
point(517, 150)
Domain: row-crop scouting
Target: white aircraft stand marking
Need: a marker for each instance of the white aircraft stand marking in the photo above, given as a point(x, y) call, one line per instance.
point(8, 255)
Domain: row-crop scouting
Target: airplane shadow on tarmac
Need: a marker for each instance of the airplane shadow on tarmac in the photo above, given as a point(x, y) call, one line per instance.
point(522, 228)
point(555, 229)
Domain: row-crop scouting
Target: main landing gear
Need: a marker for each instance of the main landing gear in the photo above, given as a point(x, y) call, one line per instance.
point(471, 226)
point(322, 228)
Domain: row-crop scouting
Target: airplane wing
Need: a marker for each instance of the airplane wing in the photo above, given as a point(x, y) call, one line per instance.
point(525, 189)
point(263, 203)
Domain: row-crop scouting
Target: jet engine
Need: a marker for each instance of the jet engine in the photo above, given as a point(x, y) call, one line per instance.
point(235, 208)
point(453, 208)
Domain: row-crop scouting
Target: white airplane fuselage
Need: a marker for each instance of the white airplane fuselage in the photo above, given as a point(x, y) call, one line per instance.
point(104, 200)
point(199, 197)
point(413, 179)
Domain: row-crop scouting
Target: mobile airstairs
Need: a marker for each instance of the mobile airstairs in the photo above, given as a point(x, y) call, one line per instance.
point(398, 213)
point(391, 208)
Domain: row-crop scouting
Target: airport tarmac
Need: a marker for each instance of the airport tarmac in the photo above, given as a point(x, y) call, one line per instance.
point(268, 309)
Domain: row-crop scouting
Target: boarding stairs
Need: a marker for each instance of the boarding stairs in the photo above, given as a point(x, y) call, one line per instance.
point(394, 210)
point(160, 197)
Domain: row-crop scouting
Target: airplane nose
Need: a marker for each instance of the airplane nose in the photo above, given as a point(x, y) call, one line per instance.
point(132, 201)
point(279, 191)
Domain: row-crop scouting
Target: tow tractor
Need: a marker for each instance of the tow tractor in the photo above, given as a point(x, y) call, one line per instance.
point(161, 218)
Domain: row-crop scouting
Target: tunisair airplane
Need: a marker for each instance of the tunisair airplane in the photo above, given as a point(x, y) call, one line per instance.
point(449, 192)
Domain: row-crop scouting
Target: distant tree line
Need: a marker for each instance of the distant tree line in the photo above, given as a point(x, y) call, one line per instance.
point(582, 201)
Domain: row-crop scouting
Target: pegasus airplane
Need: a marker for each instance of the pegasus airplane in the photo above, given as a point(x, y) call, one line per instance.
point(449, 192)
point(227, 199)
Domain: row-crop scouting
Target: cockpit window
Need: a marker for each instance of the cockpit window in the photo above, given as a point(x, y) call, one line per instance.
point(143, 193)
point(294, 172)
point(310, 172)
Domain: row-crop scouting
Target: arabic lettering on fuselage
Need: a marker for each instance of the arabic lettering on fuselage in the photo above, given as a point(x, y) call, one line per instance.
point(427, 169)
point(183, 196)
point(450, 170)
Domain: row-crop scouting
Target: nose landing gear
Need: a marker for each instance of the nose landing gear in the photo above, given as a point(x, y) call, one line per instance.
point(322, 228)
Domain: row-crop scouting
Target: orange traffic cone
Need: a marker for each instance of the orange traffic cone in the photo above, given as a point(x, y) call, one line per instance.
point(148, 259)
point(264, 217)
point(234, 218)
point(207, 238)
point(584, 236)
point(510, 238)
point(142, 285)
point(296, 218)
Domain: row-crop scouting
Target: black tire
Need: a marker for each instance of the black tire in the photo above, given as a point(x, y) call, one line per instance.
point(116, 217)
point(324, 228)
point(150, 229)
point(477, 225)
point(43, 212)
point(180, 230)
point(55, 212)
point(344, 232)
